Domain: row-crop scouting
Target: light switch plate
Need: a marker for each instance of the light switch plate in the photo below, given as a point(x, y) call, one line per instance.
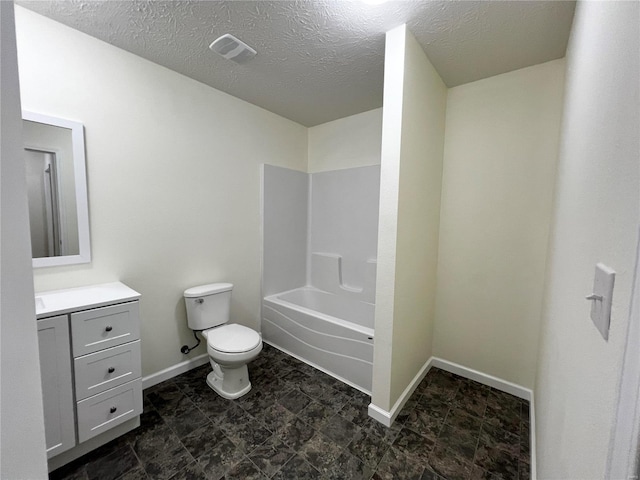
point(601, 308)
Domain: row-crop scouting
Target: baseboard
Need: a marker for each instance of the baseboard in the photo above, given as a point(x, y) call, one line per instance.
point(504, 386)
point(174, 371)
point(387, 418)
point(495, 382)
point(380, 415)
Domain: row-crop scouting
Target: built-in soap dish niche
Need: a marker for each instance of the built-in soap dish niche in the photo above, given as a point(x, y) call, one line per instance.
point(326, 274)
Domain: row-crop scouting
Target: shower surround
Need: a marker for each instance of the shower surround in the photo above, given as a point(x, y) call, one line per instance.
point(319, 268)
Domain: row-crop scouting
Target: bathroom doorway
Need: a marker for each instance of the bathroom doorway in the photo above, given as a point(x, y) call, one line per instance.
point(44, 210)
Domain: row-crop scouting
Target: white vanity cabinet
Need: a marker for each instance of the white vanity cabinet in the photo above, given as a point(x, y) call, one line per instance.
point(89, 340)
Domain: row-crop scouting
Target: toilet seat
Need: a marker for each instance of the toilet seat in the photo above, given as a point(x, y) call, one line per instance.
point(232, 338)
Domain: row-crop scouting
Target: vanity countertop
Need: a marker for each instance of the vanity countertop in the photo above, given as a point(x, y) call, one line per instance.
point(58, 302)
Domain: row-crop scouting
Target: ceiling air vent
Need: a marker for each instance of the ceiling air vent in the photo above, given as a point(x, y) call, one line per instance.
point(232, 49)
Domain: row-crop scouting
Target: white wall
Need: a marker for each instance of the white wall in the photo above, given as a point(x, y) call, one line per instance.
point(174, 177)
point(343, 220)
point(320, 229)
point(596, 216)
point(411, 175)
point(285, 228)
point(347, 142)
point(342, 156)
point(22, 451)
point(497, 193)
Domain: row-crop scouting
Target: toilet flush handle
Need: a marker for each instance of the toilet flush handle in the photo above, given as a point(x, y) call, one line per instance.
point(199, 300)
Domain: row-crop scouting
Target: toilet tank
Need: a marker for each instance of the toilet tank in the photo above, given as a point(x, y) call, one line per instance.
point(208, 305)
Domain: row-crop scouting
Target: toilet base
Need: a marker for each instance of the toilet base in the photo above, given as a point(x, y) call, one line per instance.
point(229, 383)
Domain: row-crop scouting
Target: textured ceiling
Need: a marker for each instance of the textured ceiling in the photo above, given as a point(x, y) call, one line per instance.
point(321, 60)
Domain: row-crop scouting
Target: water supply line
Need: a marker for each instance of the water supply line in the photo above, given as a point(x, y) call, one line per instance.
point(187, 349)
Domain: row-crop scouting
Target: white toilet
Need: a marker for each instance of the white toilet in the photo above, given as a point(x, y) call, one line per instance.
point(230, 346)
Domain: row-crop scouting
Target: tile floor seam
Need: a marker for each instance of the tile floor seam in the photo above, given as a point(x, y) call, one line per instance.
point(473, 462)
point(138, 458)
point(187, 450)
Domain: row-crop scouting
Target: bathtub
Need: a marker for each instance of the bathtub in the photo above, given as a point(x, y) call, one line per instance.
point(331, 332)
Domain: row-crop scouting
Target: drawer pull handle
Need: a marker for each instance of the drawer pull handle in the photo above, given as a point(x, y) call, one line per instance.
point(108, 328)
point(113, 409)
point(111, 370)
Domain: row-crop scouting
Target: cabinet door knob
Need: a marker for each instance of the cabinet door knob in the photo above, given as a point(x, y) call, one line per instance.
point(113, 409)
point(111, 370)
point(108, 328)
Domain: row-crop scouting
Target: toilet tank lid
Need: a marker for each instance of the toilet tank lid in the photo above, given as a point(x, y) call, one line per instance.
point(210, 289)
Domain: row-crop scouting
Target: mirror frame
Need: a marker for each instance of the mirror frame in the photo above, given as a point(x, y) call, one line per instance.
point(80, 179)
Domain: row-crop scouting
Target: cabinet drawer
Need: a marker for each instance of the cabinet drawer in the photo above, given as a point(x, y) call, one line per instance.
point(106, 369)
point(105, 327)
point(101, 412)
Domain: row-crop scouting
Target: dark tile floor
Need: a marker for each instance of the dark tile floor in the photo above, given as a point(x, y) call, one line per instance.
point(298, 423)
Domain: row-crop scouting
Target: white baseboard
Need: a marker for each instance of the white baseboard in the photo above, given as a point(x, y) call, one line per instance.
point(495, 382)
point(387, 418)
point(504, 386)
point(380, 415)
point(174, 371)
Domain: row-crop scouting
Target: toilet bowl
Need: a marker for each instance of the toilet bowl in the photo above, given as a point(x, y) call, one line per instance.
point(230, 346)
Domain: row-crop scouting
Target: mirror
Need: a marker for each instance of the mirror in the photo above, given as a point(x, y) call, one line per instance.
point(57, 190)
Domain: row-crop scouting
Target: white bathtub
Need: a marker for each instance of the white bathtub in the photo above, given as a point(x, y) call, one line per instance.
point(331, 332)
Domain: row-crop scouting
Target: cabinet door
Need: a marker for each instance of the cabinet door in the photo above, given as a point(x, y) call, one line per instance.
point(57, 385)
